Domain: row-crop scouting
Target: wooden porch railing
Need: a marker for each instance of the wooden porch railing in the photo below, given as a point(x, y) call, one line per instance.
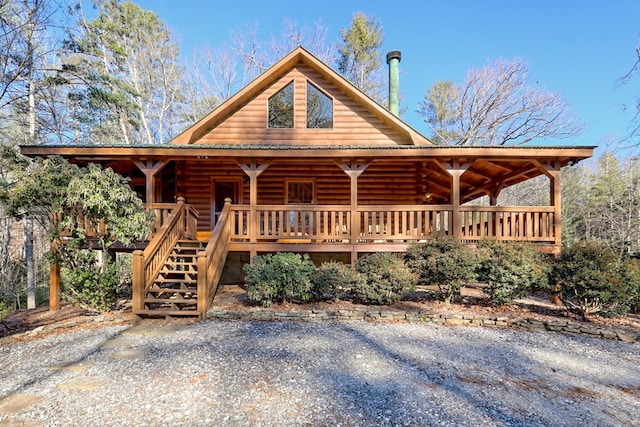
point(80, 221)
point(389, 223)
point(211, 261)
point(523, 223)
point(162, 212)
point(148, 263)
point(404, 222)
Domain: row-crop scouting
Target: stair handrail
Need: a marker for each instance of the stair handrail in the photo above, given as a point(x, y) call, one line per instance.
point(148, 263)
point(211, 260)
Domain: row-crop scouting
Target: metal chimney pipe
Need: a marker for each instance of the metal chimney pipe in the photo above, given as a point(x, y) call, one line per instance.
point(393, 59)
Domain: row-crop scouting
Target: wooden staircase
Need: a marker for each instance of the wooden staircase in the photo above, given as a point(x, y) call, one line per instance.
point(177, 275)
point(175, 291)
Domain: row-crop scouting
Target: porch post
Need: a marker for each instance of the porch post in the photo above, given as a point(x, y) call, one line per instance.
point(253, 170)
point(54, 282)
point(150, 169)
point(556, 202)
point(138, 284)
point(456, 169)
point(354, 171)
point(552, 170)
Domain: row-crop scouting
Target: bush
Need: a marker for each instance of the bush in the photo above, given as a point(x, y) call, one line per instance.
point(333, 278)
point(279, 277)
point(593, 280)
point(87, 285)
point(631, 279)
point(4, 310)
point(512, 270)
point(444, 262)
point(386, 278)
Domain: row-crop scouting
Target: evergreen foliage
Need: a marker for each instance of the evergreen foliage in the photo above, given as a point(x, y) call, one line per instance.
point(66, 199)
point(512, 270)
point(279, 277)
point(593, 279)
point(332, 279)
point(444, 262)
point(359, 54)
point(386, 278)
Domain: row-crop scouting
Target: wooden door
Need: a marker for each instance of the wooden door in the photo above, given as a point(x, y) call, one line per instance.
point(222, 188)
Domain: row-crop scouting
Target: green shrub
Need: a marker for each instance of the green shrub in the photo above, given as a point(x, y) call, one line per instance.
point(333, 278)
point(512, 270)
point(631, 278)
point(4, 310)
point(386, 278)
point(444, 262)
point(86, 284)
point(279, 277)
point(591, 279)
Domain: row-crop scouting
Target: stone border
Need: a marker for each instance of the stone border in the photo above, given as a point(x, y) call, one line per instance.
point(375, 315)
point(365, 314)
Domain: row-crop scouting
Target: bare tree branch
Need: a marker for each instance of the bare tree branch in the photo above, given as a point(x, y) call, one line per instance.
point(497, 106)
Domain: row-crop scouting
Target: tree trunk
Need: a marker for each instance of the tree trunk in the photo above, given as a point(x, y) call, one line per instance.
point(28, 229)
point(28, 254)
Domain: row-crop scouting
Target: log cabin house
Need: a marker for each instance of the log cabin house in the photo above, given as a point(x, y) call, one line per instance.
point(300, 160)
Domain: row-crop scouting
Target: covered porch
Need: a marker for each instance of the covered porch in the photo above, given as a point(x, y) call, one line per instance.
point(320, 199)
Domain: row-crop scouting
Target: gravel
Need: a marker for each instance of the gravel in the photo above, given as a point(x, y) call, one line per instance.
point(216, 373)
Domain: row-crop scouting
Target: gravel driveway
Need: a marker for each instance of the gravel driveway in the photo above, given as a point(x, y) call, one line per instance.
point(318, 374)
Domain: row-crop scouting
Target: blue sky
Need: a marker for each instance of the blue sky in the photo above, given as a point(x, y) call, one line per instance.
point(579, 48)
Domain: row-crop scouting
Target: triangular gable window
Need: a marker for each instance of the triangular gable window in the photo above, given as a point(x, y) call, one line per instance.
point(281, 108)
point(319, 109)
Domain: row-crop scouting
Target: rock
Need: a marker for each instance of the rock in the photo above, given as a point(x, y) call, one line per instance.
point(626, 338)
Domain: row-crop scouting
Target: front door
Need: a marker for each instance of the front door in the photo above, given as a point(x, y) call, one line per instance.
point(222, 188)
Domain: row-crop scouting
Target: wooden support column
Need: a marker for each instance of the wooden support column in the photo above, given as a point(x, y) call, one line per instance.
point(54, 282)
point(354, 170)
point(552, 171)
point(494, 192)
point(150, 168)
point(556, 201)
point(456, 169)
point(253, 170)
point(138, 284)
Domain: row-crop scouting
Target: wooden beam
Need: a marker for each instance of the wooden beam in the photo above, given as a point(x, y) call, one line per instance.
point(546, 168)
point(150, 168)
point(556, 200)
point(432, 152)
point(354, 171)
point(456, 169)
point(253, 170)
point(504, 179)
point(54, 287)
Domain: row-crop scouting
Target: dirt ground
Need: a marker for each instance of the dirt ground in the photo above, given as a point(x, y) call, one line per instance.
point(233, 297)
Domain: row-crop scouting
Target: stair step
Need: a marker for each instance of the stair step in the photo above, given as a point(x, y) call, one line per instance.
point(166, 295)
point(176, 281)
point(186, 263)
point(182, 276)
point(170, 301)
point(189, 245)
point(173, 290)
point(160, 312)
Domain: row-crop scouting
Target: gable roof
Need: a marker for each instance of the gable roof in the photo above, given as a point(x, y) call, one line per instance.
point(297, 58)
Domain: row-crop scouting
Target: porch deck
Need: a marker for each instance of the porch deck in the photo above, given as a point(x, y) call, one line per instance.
point(338, 228)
